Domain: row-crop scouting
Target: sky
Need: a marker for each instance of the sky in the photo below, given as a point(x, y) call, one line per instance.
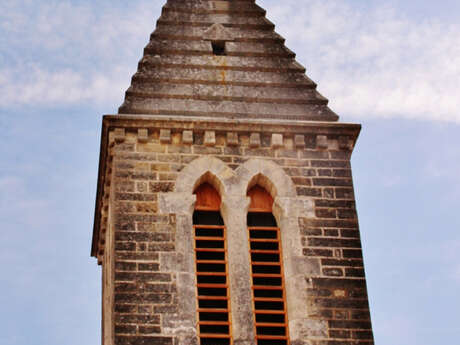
point(393, 66)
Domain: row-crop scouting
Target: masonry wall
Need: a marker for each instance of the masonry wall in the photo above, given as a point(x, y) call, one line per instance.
point(144, 164)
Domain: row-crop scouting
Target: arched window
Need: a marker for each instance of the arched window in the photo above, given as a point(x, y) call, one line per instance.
point(211, 268)
point(269, 297)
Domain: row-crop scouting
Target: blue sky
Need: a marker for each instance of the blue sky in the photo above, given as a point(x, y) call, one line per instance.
point(392, 66)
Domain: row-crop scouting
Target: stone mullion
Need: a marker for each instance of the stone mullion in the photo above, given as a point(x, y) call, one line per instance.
point(234, 212)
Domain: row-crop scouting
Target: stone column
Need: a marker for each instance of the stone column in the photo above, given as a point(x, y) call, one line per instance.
point(234, 211)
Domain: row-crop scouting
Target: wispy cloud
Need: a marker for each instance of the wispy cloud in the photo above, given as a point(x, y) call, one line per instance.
point(57, 52)
point(377, 63)
point(40, 86)
point(369, 61)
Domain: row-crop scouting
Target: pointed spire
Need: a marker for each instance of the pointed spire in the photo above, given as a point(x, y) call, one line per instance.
point(221, 59)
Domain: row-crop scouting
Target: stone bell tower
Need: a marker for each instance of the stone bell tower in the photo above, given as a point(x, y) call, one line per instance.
point(225, 211)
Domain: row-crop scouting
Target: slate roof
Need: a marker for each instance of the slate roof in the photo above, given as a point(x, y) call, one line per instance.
point(257, 77)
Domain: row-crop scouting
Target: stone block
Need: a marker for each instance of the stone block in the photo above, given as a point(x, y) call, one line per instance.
point(321, 142)
point(344, 143)
point(299, 141)
point(220, 5)
point(187, 137)
point(165, 136)
point(277, 141)
point(143, 135)
point(210, 138)
point(254, 140)
point(119, 135)
point(232, 139)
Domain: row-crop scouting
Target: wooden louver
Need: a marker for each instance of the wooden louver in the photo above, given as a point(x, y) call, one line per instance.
point(269, 298)
point(214, 322)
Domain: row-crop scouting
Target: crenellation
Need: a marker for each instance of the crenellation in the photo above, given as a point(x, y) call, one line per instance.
point(232, 139)
point(187, 137)
point(254, 141)
point(119, 135)
point(322, 142)
point(345, 143)
point(165, 136)
point(210, 138)
point(299, 141)
point(142, 135)
point(277, 141)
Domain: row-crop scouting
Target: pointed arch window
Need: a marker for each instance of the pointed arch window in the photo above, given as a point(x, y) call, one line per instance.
point(268, 290)
point(214, 321)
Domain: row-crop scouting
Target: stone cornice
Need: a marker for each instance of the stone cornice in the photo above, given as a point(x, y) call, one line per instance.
point(222, 124)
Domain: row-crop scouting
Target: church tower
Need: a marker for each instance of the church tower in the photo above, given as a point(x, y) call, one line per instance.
point(225, 212)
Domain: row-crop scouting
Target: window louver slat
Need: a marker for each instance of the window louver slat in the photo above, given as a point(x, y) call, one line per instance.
point(214, 322)
point(269, 297)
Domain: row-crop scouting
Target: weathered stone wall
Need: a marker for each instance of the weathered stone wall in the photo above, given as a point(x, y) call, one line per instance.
point(149, 179)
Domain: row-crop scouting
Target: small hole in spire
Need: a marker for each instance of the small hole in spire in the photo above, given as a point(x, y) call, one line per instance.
point(218, 48)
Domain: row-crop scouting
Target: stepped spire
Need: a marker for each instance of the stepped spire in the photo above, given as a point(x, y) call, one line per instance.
point(221, 59)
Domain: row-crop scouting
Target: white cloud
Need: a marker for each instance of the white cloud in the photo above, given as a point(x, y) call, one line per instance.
point(44, 87)
point(369, 61)
point(63, 53)
point(377, 63)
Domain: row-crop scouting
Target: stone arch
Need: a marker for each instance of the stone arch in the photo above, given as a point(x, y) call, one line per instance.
point(233, 187)
point(205, 169)
point(213, 180)
point(267, 174)
point(181, 203)
point(286, 209)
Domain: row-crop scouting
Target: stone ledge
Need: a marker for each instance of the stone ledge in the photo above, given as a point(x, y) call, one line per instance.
point(237, 125)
